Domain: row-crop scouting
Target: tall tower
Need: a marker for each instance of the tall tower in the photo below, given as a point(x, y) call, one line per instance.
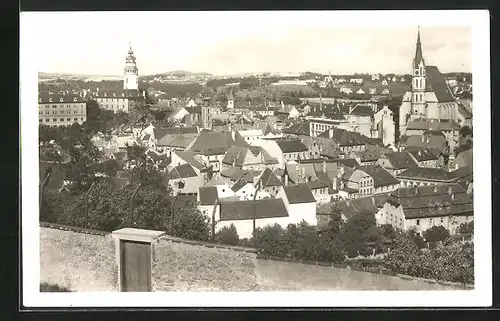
point(131, 79)
point(418, 100)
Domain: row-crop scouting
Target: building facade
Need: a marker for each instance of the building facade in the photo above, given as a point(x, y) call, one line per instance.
point(61, 110)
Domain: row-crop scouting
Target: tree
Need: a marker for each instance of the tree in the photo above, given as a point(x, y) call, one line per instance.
point(436, 234)
point(466, 229)
point(227, 235)
point(465, 131)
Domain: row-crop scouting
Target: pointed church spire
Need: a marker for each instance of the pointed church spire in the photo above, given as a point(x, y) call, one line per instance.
point(419, 57)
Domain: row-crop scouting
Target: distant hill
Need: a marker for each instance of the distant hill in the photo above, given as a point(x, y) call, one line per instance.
point(52, 76)
point(183, 73)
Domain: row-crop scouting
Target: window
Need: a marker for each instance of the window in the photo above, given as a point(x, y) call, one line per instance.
point(442, 220)
point(54, 119)
point(223, 190)
point(418, 222)
point(75, 119)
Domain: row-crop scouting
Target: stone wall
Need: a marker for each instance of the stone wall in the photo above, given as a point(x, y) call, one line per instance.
point(78, 261)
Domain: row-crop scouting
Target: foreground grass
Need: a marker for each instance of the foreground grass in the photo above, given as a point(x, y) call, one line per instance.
point(46, 287)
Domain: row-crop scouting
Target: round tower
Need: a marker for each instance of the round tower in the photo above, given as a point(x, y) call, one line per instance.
point(131, 79)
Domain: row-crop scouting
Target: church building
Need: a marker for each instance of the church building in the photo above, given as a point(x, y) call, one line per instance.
point(128, 98)
point(429, 98)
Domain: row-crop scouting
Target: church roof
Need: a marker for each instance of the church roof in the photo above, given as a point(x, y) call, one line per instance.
point(437, 84)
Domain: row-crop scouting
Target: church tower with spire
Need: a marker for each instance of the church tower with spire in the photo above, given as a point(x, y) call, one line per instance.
point(131, 79)
point(418, 84)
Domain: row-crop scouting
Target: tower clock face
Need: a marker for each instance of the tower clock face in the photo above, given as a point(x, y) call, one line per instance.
point(416, 72)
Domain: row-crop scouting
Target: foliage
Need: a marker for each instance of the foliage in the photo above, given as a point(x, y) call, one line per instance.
point(47, 287)
point(466, 229)
point(453, 262)
point(436, 234)
point(228, 235)
point(465, 131)
point(109, 208)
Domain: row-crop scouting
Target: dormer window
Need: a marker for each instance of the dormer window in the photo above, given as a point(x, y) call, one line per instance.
point(39, 100)
point(61, 99)
point(74, 99)
point(50, 99)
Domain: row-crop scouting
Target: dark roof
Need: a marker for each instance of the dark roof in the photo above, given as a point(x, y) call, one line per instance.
point(437, 84)
point(464, 111)
point(432, 125)
point(316, 184)
point(425, 173)
point(291, 146)
point(464, 173)
point(191, 158)
point(433, 201)
point(464, 158)
point(244, 210)
point(239, 185)
point(232, 172)
point(302, 129)
point(380, 176)
point(351, 207)
point(155, 156)
point(183, 171)
point(299, 193)
point(400, 160)
point(426, 141)
point(123, 93)
point(424, 154)
point(347, 162)
point(207, 195)
point(345, 138)
point(45, 97)
point(215, 143)
point(183, 201)
point(194, 109)
point(161, 132)
point(268, 178)
point(362, 110)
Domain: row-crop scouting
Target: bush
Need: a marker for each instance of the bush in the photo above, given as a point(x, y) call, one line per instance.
point(436, 234)
point(466, 229)
point(227, 235)
point(46, 287)
point(453, 262)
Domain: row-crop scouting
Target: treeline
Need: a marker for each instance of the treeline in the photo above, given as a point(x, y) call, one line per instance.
point(434, 255)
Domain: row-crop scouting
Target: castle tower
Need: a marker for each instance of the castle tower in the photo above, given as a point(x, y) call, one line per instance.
point(230, 100)
point(418, 82)
point(131, 79)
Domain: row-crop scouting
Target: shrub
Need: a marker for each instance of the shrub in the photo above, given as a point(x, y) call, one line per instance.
point(227, 235)
point(436, 234)
point(270, 240)
point(466, 229)
point(46, 287)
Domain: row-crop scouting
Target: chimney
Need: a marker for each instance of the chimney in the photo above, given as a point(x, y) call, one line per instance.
point(452, 196)
point(334, 183)
point(373, 201)
point(324, 166)
point(330, 132)
point(286, 179)
point(423, 138)
point(435, 189)
point(450, 192)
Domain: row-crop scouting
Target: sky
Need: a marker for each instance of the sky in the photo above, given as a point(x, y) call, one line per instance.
point(226, 43)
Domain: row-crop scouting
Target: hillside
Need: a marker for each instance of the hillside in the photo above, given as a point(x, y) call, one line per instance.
point(182, 73)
